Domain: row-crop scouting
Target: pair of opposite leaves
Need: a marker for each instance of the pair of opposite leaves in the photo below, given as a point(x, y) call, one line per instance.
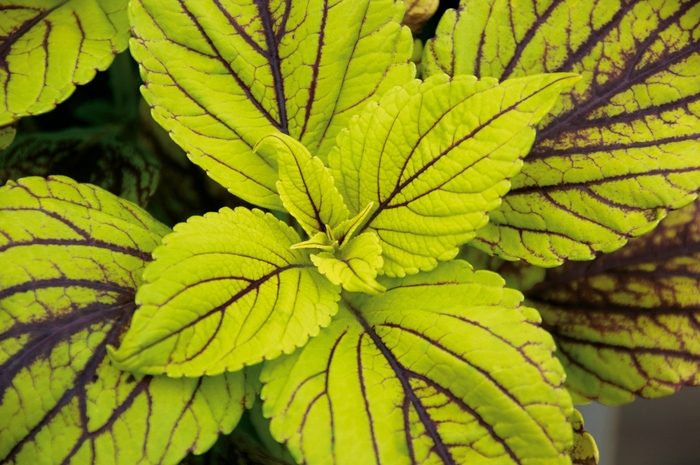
point(418, 172)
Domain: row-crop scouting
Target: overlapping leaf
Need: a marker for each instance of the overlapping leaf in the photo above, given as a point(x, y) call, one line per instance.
point(444, 367)
point(85, 156)
point(305, 186)
point(435, 158)
point(71, 258)
point(621, 148)
point(225, 291)
point(47, 47)
point(628, 323)
point(585, 450)
point(250, 69)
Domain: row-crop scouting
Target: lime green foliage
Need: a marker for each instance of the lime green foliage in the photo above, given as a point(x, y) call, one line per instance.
point(225, 291)
point(247, 70)
point(356, 265)
point(620, 149)
point(71, 259)
point(435, 157)
point(305, 185)
point(86, 155)
point(47, 47)
point(585, 450)
point(7, 135)
point(627, 324)
point(410, 376)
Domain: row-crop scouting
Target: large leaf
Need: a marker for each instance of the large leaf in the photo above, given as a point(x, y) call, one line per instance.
point(71, 258)
point(225, 291)
point(85, 155)
point(620, 149)
point(47, 47)
point(249, 69)
point(628, 323)
point(435, 158)
point(444, 367)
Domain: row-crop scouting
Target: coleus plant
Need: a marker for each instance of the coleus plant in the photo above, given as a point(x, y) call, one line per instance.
point(365, 340)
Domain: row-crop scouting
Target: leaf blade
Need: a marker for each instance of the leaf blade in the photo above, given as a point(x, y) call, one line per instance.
point(72, 257)
point(619, 151)
point(225, 291)
point(305, 186)
point(49, 47)
point(253, 78)
point(435, 158)
point(374, 378)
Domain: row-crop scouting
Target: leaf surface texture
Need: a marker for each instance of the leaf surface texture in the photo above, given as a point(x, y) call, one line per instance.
point(225, 291)
point(249, 69)
point(620, 149)
point(444, 367)
point(71, 258)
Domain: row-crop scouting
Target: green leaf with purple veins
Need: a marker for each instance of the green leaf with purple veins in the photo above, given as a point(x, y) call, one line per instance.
point(225, 291)
point(620, 149)
point(434, 157)
point(71, 258)
point(250, 69)
point(626, 324)
point(47, 47)
point(410, 376)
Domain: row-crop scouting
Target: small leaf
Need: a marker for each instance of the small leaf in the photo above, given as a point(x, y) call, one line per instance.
point(305, 185)
point(7, 135)
point(93, 156)
point(319, 241)
point(620, 149)
point(444, 367)
point(246, 71)
point(47, 47)
point(356, 268)
point(435, 157)
point(627, 324)
point(225, 291)
point(585, 450)
point(345, 230)
point(71, 258)
point(418, 12)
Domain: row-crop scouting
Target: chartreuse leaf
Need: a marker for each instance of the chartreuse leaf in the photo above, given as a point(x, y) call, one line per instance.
point(71, 258)
point(249, 69)
point(7, 135)
point(47, 47)
point(85, 155)
point(356, 265)
point(305, 185)
point(628, 323)
point(435, 157)
point(225, 291)
point(585, 450)
point(620, 149)
point(444, 367)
